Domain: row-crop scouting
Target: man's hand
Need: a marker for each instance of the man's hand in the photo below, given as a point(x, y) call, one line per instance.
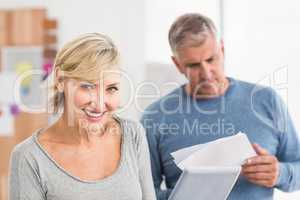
point(262, 169)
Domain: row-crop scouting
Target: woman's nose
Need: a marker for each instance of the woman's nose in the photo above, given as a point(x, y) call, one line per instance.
point(99, 100)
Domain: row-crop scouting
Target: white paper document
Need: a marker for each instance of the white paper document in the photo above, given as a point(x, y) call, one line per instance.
point(210, 170)
point(205, 183)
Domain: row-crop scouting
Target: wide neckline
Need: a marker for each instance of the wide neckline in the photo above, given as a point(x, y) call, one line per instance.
point(113, 176)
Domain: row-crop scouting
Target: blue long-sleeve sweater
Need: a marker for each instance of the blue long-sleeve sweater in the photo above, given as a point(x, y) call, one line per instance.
point(177, 121)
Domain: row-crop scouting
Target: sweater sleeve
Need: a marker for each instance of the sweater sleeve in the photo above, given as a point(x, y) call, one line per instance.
point(153, 141)
point(289, 148)
point(144, 165)
point(24, 181)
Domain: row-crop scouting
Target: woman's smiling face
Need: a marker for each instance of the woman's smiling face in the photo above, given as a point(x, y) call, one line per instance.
point(91, 103)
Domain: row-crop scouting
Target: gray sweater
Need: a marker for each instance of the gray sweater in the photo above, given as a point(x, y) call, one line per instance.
point(34, 175)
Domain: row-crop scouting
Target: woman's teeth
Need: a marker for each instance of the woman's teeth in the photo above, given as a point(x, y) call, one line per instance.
point(93, 114)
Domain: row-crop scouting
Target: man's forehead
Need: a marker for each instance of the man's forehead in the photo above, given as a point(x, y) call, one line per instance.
point(205, 51)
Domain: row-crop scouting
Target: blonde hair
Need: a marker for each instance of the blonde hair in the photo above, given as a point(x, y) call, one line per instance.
point(84, 58)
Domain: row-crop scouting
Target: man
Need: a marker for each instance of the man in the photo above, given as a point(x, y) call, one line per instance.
point(212, 106)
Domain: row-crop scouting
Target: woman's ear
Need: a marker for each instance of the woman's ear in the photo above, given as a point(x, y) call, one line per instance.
point(59, 80)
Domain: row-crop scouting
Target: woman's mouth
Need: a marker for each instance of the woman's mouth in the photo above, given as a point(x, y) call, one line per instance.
point(93, 115)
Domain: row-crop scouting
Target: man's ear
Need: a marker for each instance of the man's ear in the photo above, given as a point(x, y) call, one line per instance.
point(178, 66)
point(59, 80)
point(222, 45)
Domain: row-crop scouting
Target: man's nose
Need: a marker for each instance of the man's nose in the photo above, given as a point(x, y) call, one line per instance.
point(205, 72)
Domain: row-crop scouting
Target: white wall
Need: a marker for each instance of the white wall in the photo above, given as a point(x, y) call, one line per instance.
point(123, 21)
point(159, 17)
point(262, 46)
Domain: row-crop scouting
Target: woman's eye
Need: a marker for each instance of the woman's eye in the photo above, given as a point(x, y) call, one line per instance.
point(87, 86)
point(112, 89)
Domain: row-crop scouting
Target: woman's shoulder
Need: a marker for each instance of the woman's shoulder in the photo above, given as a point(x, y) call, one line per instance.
point(26, 148)
point(133, 129)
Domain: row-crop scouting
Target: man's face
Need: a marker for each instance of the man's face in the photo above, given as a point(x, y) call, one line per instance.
point(203, 66)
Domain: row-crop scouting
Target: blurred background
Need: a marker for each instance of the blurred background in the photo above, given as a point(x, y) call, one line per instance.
point(261, 46)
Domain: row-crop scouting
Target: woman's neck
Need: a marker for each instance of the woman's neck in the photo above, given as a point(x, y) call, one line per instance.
point(73, 134)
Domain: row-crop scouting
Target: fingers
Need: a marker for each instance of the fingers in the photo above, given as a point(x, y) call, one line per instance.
point(266, 183)
point(259, 169)
point(260, 176)
point(262, 169)
point(258, 160)
point(267, 179)
point(259, 150)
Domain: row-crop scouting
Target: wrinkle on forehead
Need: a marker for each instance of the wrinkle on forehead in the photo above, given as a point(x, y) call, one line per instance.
point(199, 53)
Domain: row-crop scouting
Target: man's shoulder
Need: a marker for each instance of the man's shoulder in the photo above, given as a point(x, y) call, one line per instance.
point(168, 99)
point(254, 89)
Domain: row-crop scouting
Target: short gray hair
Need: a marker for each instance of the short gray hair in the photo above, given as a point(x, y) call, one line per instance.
point(190, 29)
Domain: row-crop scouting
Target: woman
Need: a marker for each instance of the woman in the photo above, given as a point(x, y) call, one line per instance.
point(88, 153)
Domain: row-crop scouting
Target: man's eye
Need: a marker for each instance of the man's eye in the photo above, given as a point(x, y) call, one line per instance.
point(112, 89)
point(210, 60)
point(193, 65)
point(87, 86)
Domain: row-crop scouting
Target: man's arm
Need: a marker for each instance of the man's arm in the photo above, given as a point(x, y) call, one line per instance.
point(282, 171)
point(289, 157)
point(289, 148)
